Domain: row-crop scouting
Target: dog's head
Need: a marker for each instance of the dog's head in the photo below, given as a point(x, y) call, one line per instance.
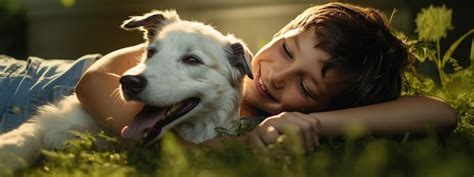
point(190, 71)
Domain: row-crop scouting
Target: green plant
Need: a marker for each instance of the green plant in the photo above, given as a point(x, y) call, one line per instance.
point(433, 23)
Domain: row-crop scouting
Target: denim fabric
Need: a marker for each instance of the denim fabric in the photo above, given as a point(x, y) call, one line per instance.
point(26, 85)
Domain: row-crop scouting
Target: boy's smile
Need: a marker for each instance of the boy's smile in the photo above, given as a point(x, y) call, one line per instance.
point(261, 86)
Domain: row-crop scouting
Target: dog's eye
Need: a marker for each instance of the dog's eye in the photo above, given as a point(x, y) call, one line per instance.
point(150, 52)
point(192, 60)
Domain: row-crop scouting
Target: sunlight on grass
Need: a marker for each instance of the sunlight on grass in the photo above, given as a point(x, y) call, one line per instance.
point(428, 156)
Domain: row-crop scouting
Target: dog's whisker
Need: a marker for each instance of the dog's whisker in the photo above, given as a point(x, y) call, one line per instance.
point(116, 94)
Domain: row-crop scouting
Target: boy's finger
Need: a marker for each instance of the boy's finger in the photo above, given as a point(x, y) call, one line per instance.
point(270, 135)
point(254, 140)
point(315, 124)
point(306, 131)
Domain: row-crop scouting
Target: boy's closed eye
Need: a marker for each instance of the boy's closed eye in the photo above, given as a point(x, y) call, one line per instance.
point(301, 83)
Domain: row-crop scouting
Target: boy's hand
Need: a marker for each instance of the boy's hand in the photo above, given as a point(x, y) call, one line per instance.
point(267, 132)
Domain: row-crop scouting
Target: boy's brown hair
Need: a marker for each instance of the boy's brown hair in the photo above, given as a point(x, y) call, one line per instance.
point(362, 46)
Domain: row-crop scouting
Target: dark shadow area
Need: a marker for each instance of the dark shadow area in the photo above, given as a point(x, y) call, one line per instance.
point(48, 29)
point(12, 31)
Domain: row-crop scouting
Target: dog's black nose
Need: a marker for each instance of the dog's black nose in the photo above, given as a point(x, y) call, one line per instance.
point(132, 85)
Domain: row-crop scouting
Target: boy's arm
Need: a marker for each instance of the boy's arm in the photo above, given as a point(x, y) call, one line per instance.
point(98, 89)
point(415, 114)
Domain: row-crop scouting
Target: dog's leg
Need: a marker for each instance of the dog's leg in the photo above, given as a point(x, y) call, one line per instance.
point(50, 129)
point(19, 147)
point(61, 120)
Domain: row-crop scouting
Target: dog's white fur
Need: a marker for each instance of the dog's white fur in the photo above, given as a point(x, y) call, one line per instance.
point(217, 82)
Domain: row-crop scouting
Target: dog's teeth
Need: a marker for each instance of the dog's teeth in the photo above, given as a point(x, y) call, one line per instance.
point(175, 107)
point(145, 132)
point(168, 113)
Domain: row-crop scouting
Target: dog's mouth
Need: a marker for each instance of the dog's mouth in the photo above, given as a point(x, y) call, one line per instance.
point(149, 123)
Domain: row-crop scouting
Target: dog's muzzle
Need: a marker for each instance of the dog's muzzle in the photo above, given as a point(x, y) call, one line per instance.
point(132, 85)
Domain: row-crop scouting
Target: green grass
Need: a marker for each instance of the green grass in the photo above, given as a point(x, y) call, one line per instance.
point(430, 156)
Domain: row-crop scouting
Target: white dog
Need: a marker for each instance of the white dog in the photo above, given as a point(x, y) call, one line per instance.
point(190, 81)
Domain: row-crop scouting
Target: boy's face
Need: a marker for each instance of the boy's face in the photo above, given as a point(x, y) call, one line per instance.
point(288, 75)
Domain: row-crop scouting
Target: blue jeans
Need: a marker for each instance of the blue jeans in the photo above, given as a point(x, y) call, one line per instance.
point(26, 85)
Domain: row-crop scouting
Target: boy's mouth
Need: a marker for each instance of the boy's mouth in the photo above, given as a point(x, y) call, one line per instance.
point(261, 87)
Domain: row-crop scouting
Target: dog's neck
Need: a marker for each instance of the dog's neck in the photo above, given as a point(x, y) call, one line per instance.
point(203, 128)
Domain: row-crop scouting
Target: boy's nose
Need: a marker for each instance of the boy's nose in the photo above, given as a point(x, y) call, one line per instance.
point(280, 77)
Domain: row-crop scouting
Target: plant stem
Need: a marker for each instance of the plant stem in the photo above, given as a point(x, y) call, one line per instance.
point(440, 63)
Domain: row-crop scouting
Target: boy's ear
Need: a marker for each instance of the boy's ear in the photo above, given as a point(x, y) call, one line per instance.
point(151, 23)
point(241, 58)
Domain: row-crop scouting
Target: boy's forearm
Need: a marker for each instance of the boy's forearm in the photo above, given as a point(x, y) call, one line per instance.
point(408, 114)
point(119, 61)
point(99, 95)
point(98, 89)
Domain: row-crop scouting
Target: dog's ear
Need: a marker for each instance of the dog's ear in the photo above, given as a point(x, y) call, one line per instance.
point(151, 23)
point(241, 57)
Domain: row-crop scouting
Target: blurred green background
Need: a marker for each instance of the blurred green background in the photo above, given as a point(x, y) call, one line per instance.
point(71, 28)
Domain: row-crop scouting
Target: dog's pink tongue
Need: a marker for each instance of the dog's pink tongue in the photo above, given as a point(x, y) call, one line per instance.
point(142, 122)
